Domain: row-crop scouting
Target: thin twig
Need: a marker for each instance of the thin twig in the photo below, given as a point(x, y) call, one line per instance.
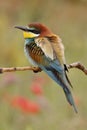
point(79, 66)
point(70, 66)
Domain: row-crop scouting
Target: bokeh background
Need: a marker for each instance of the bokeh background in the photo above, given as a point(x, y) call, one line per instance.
point(31, 101)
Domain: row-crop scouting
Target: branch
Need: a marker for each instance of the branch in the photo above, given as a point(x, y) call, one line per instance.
point(35, 69)
point(12, 69)
point(79, 66)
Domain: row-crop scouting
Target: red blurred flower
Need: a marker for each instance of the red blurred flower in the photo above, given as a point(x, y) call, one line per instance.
point(36, 88)
point(25, 105)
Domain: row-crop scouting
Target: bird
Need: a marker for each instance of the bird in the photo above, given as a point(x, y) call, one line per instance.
point(45, 51)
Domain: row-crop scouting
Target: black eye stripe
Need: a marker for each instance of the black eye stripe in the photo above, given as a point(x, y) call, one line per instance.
point(35, 31)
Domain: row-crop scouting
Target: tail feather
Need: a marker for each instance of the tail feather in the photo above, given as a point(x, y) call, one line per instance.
point(70, 98)
point(68, 80)
point(61, 79)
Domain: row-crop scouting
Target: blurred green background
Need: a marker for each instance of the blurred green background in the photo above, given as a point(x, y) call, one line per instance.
point(68, 19)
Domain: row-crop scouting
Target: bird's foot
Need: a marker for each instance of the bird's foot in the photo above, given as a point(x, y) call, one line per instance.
point(37, 69)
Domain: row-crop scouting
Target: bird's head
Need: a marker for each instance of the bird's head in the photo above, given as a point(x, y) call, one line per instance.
point(34, 30)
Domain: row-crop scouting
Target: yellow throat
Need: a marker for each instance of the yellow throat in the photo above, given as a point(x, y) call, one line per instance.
point(30, 35)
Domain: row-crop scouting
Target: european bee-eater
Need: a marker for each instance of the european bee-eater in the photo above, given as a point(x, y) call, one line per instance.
point(45, 50)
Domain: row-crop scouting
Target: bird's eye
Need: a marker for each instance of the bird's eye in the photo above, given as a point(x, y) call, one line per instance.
point(34, 30)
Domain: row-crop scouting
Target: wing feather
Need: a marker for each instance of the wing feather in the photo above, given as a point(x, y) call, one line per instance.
point(46, 47)
point(52, 47)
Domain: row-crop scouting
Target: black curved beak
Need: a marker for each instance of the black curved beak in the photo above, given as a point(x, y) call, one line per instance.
point(22, 28)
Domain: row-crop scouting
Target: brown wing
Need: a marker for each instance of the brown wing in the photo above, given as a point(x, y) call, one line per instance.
point(52, 47)
point(58, 48)
point(35, 52)
point(46, 47)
